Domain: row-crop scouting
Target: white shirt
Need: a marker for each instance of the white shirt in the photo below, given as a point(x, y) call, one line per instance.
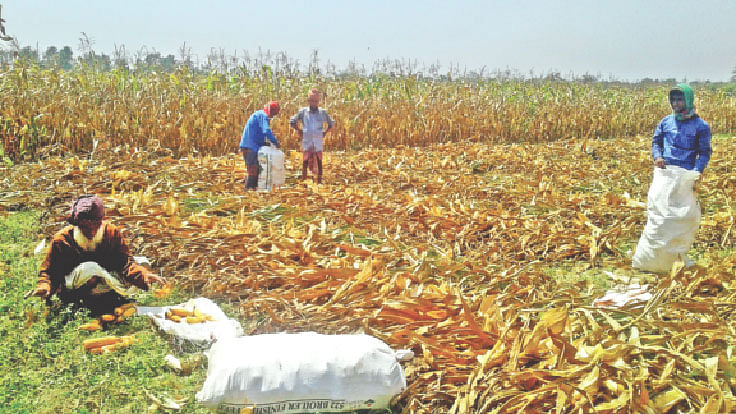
point(312, 127)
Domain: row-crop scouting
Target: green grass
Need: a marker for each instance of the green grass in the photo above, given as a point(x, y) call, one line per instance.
point(271, 213)
point(43, 368)
point(193, 205)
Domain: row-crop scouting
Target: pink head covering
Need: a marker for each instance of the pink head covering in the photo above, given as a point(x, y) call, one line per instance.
point(271, 107)
point(86, 207)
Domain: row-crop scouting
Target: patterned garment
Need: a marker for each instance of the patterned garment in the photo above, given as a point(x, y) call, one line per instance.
point(312, 127)
point(112, 253)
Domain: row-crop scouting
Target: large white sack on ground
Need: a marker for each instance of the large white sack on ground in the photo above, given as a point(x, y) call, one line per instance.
point(202, 333)
point(271, 162)
point(673, 217)
point(301, 373)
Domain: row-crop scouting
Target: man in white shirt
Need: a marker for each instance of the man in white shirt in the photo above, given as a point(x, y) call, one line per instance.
point(312, 132)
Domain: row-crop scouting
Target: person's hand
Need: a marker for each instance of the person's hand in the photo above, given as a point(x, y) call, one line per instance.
point(152, 278)
point(42, 291)
point(659, 162)
point(93, 281)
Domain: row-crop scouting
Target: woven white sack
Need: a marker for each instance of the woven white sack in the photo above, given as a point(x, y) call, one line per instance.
point(673, 217)
point(301, 373)
point(271, 162)
point(202, 333)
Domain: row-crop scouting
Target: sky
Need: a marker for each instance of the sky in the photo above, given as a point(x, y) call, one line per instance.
point(623, 40)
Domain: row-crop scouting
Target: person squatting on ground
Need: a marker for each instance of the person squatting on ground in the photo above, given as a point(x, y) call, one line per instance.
point(256, 130)
point(682, 138)
point(89, 262)
point(312, 132)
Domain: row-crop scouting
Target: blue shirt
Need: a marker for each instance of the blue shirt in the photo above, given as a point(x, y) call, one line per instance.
point(256, 129)
point(683, 143)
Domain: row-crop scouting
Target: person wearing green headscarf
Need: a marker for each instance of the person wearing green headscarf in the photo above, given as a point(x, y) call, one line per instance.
point(682, 138)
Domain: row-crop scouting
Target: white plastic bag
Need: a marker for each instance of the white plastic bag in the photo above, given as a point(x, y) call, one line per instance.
point(673, 217)
point(271, 162)
point(201, 334)
point(87, 270)
point(301, 373)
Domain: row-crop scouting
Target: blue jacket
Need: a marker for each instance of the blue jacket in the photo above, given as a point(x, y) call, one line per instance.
point(256, 129)
point(683, 143)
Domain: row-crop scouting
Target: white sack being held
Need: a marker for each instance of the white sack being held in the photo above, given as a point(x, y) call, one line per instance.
point(301, 373)
point(271, 164)
point(673, 217)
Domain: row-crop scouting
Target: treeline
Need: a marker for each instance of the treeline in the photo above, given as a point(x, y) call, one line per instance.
point(279, 63)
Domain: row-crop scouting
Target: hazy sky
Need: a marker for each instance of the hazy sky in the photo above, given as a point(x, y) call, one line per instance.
point(693, 40)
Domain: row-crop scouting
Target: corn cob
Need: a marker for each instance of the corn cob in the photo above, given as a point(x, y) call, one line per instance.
point(195, 319)
point(98, 342)
point(180, 312)
point(93, 325)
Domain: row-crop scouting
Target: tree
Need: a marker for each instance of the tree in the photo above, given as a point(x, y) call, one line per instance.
point(50, 57)
point(153, 59)
point(28, 53)
point(3, 35)
point(65, 58)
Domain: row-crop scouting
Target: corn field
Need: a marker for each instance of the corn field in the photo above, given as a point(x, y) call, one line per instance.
point(189, 112)
point(485, 259)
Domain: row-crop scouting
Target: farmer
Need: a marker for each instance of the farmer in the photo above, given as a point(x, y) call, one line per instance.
point(683, 138)
point(681, 148)
point(89, 262)
point(312, 131)
point(256, 129)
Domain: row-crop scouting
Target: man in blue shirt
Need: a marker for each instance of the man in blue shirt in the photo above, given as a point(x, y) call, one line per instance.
point(256, 130)
point(682, 139)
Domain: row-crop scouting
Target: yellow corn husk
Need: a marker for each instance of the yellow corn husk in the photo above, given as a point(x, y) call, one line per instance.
point(129, 312)
point(95, 351)
point(120, 310)
point(119, 318)
point(175, 318)
point(209, 317)
point(195, 319)
point(106, 349)
point(98, 342)
point(107, 318)
point(127, 339)
point(90, 327)
point(198, 313)
point(180, 312)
